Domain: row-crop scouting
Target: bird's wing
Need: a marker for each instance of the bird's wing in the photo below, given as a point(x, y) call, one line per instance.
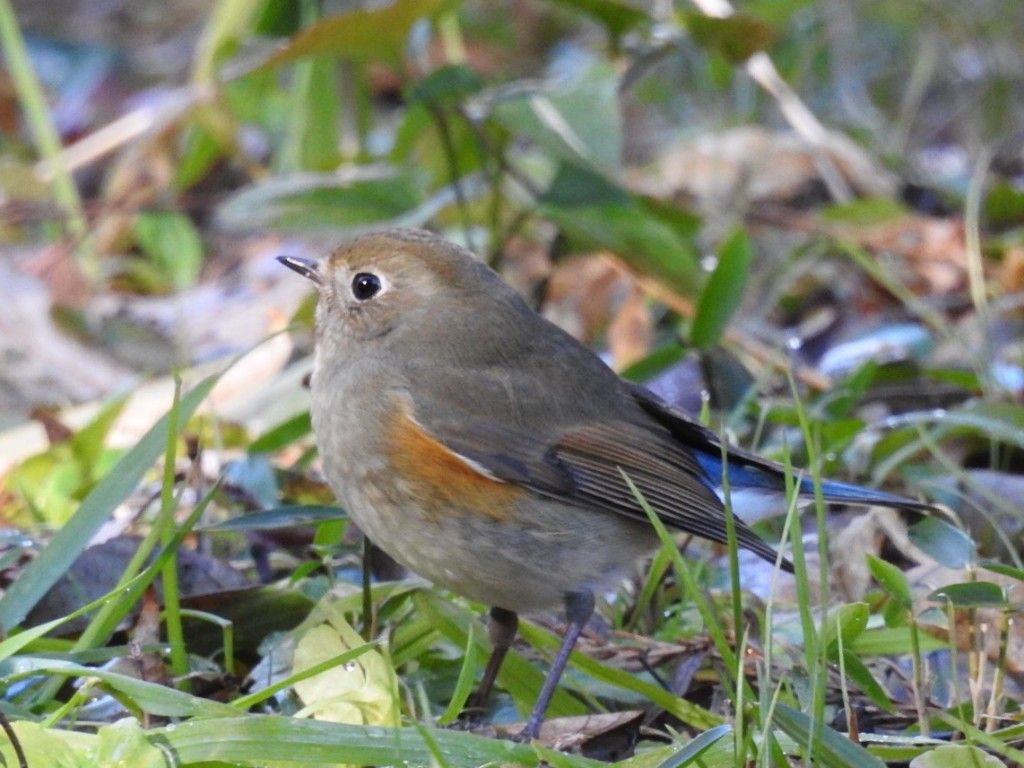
point(584, 466)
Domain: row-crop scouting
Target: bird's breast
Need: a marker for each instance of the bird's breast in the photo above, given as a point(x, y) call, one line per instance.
point(438, 480)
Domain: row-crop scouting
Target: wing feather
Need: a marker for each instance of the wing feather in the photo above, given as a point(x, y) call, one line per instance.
point(664, 473)
point(584, 467)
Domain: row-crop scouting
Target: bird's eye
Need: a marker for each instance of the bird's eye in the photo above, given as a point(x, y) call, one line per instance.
point(365, 286)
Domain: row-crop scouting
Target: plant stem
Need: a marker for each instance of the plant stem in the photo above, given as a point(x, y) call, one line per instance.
point(451, 157)
point(169, 574)
point(44, 134)
point(918, 670)
point(999, 674)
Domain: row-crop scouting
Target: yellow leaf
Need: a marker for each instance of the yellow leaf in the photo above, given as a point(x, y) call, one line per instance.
point(361, 692)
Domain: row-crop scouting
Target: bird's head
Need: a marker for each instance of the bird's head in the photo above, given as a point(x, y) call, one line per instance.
point(380, 282)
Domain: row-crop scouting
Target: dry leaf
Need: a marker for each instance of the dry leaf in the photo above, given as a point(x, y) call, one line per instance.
point(583, 294)
point(569, 733)
point(146, 631)
point(631, 332)
point(758, 165)
point(983, 631)
point(864, 535)
point(1011, 272)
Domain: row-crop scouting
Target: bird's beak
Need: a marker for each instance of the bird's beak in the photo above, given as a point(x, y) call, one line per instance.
point(305, 267)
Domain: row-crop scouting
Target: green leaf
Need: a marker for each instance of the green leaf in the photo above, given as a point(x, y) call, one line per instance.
point(861, 676)
point(278, 18)
point(616, 18)
point(464, 684)
point(19, 640)
point(656, 362)
point(71, 540)
point(866, 211)
point(285, 433)
point(226, 25)
point(596, 213)
point(87, 444)
point(1004, 205)
point(328, 203)
point(828, 748)
point(124, 744)
point(451, 83)
point(892, 580)
point(894, 750)
point(575, 188)
point(255, 613)
point(578, 121)
point(149, 697)
point(849, 620)
point(681, 220)
point(970, 594)
point(171, 241)
point(736, 37)
point(991, 420)
point(893, 641)
point(993, 741)
point(723, 292)
point(271, 738)
point(279, 517)
point(692, 714)
point(1004, 570)
point(313, 128)
point(200, 150)
point(360, 34)
point(696, 747)
point(362, 690)
point(130, 588)
point(46, 747)
point(943, 541)
point(518, 676)
point(420, 143)
point(957, 756)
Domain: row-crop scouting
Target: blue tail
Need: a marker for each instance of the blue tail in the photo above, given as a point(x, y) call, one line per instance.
point(743, 476)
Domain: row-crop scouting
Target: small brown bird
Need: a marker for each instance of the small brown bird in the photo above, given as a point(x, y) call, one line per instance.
point(484, 448)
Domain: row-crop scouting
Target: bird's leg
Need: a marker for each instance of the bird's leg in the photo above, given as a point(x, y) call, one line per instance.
point(578, 608)
point(502, 628)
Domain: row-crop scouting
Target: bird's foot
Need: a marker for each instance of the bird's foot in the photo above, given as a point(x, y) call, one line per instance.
point(521, 737)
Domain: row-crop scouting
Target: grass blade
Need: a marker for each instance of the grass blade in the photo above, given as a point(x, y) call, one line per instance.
point(262, 739)
point(827, 747)
point(43, 572)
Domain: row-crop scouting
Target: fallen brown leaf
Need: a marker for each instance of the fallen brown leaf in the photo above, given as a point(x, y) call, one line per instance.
point(631, 331)
point(569, 733)
point(584, 293)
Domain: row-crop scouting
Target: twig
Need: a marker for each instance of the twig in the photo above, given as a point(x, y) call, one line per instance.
point(6, 725)
point(998, 675)
point(762, 70)
point(972, 233)
point(452, 158)
point(40, 125)
point(124, 129)
point(511, 170)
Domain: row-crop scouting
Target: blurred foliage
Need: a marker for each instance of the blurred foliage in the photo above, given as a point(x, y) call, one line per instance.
point(542, 126)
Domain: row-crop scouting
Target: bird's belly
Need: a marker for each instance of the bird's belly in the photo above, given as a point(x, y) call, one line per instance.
point(526, 560)
point(493, 542)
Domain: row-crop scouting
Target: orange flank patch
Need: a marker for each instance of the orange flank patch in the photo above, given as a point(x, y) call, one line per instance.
point(443, 482)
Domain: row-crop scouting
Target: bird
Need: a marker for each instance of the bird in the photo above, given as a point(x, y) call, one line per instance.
point(493, 454)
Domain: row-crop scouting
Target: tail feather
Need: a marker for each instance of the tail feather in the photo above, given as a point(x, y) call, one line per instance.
point(772, 479)
point(847, 493)
point(749, 540)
